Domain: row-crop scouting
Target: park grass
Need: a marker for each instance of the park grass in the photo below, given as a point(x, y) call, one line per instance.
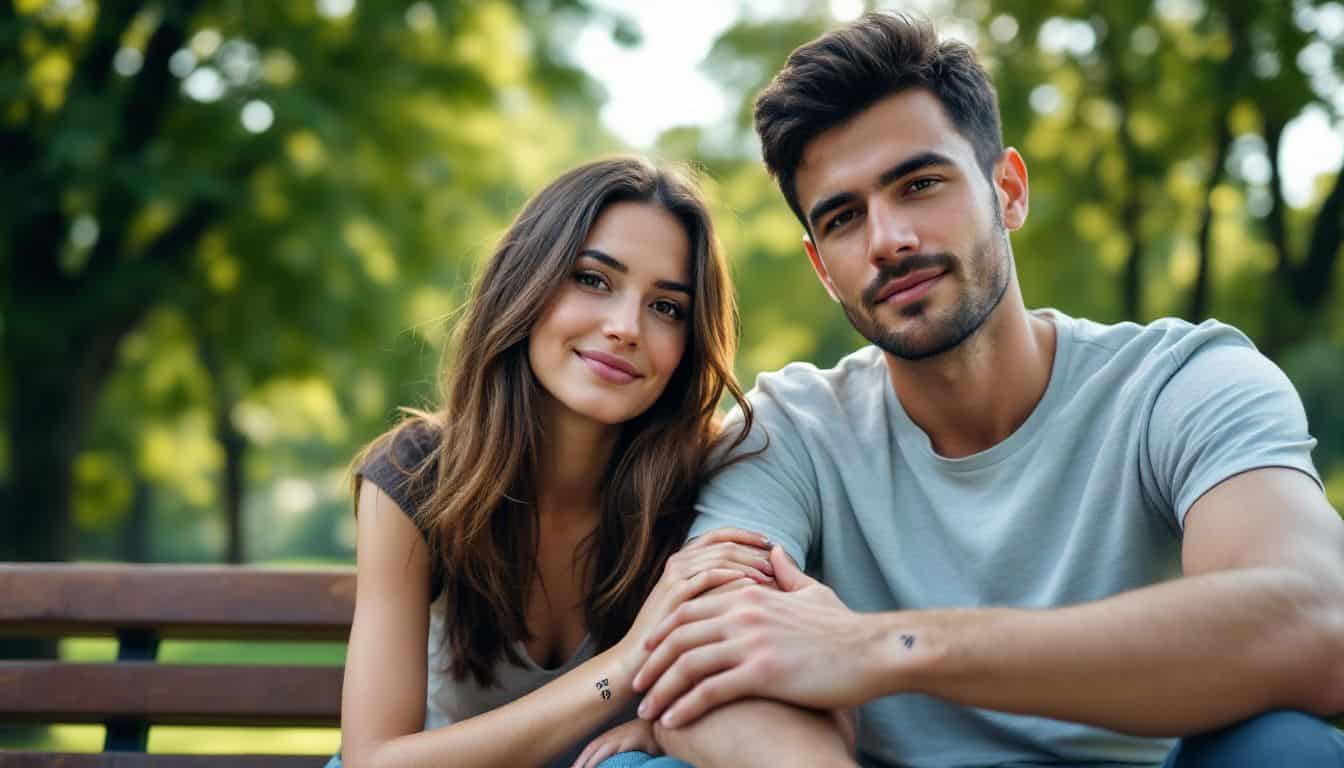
point(196, 739)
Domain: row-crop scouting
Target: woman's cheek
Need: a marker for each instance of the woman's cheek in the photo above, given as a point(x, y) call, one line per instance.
point(670, 351)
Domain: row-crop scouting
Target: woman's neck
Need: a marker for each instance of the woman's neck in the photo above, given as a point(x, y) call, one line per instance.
point(574, 457)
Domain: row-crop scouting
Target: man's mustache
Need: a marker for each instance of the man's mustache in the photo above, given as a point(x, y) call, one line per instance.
point(890, 272)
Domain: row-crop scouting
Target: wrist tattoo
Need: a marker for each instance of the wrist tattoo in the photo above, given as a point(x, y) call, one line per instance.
point(908, 641)
point(604, 689)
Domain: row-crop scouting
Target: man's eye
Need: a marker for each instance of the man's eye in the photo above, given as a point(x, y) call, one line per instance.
point(920, 185)
point(840, 219)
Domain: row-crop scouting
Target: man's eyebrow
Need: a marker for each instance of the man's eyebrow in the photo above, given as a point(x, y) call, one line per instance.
point(903, 168)
point(827, 205)
point(910, 165)
point(616, 264)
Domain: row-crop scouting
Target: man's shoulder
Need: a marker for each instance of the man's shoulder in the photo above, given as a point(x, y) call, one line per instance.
point(1166, 343)
point(804, 385)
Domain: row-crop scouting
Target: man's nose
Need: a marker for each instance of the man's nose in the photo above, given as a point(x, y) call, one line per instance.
point(891, 232)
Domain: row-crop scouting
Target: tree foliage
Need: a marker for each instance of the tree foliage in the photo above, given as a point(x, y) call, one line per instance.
point(245, 204)
point(230, 232)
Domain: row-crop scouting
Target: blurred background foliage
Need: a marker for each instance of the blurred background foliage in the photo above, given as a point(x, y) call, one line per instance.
point(232, 232)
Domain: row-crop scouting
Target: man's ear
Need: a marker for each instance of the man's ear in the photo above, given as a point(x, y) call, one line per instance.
point(1010, 187)
point(820, 268)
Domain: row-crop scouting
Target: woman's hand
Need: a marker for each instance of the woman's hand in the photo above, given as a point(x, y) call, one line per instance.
point(636, 735)
point(709, 561)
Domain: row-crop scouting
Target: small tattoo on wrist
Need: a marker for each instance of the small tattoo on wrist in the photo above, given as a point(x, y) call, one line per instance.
point(604, 689)
point(908, 641)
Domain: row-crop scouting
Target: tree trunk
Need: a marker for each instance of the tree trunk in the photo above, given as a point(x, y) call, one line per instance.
point(136, 545)
point(1278, 297)
point(234, 443)
point(1131, 207)
point(1130, 222)
point(1200, 296)
point(1300, 289)
point(1230, 76)
point(235, 450)
point(45, 421)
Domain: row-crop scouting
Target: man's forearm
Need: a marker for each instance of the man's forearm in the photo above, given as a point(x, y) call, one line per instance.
point(1170, 659)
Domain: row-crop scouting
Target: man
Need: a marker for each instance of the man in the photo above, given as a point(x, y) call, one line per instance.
point(1044, 541)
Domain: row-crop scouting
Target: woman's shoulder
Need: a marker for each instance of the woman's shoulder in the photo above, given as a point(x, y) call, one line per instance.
point(403, 463)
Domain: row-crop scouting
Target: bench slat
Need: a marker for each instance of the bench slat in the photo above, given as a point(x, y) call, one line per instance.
point(176, 600)
point(170, 694)
point(133, 760)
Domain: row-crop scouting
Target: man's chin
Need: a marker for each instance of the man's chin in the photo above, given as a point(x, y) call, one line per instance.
point(916, 344)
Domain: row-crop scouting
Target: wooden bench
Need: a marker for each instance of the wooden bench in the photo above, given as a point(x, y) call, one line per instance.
point(140, 605)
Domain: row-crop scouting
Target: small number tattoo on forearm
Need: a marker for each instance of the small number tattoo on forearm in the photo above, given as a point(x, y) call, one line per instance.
point(908, 641)
point(604, 688)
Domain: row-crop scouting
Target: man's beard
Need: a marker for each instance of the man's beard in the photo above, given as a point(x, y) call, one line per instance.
point(974, 306)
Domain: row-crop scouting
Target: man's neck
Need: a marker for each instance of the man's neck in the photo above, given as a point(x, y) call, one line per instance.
point(974, 396)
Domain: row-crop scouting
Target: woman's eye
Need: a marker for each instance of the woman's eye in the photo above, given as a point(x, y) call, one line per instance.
point(590, 280)
point(668, 308)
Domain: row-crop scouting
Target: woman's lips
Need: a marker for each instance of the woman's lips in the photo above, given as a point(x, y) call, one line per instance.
point(608, 368)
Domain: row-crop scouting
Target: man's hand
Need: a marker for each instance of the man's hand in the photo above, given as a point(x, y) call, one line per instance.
point(798, 644)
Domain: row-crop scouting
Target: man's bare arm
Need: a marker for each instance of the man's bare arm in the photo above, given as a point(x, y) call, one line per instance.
point(1256, 623)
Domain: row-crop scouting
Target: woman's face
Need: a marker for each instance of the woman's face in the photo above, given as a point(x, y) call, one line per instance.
point(615, 332)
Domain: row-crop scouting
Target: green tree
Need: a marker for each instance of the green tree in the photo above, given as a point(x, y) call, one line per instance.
point(1139, 120)
point(277, 176)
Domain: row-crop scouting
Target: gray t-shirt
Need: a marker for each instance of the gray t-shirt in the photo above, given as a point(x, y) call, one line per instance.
point(1086, 499)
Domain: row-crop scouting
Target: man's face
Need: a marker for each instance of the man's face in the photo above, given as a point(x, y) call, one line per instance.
point(907, 233)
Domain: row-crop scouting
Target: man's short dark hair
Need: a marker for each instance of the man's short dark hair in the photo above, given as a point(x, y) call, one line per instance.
point(840, 74)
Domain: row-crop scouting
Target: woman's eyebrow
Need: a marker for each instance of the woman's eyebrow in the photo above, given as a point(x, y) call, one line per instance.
point(610, 261)
point(616, 264)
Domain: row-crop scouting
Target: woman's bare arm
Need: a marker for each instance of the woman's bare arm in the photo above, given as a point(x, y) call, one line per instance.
point(382, 710)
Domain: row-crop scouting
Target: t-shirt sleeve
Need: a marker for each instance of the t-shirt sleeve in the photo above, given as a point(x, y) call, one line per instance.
point(402, 468)
point(399, 468)
point(1225, 410)
point(771, 489)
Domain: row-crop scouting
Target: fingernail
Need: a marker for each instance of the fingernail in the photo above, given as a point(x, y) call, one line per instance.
point(643, 708)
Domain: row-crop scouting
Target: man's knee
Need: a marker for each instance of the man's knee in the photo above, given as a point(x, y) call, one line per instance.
point(775, 734)
point(1281, 738)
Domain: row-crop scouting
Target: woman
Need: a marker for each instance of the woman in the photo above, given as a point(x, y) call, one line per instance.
point(536, 511)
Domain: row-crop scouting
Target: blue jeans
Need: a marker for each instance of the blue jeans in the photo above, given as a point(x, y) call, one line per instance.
point(1281, 739)
point(641, 760)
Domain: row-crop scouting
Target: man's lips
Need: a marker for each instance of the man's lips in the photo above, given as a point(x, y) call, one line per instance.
point(610, 367)
point(910, 287)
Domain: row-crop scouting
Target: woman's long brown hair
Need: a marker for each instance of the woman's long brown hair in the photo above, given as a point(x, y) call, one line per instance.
point(480, 514)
